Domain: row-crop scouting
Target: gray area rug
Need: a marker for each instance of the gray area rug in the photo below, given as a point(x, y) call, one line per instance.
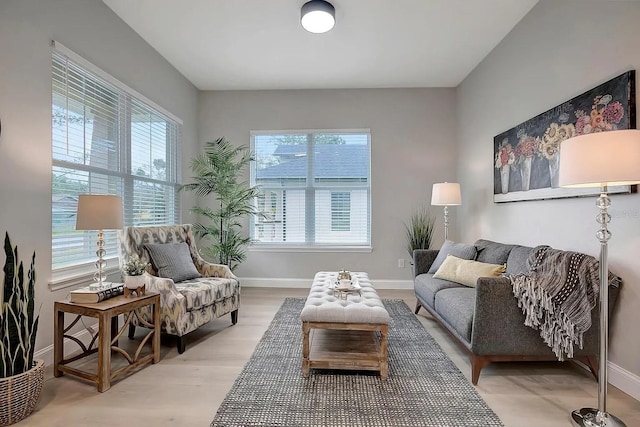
point(424, 387)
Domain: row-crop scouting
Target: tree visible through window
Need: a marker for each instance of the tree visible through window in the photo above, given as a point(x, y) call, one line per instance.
point(314, 188)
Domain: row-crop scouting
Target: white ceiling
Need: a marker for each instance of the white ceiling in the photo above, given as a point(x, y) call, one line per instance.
point(260, 44)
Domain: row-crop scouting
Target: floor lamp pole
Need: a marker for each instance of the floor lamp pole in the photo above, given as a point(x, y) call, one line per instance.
point(446, 222)
point(590, 416)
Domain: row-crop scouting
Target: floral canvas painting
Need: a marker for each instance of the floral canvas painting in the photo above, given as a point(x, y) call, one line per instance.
point(527, 156)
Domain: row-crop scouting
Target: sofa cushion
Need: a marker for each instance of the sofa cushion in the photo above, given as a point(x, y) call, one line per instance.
point(426, 287)
point(172, 261)
point(517, 261)
point(456, 306)
point(204, 291)
point(466, 272)
point(461, 250)
point(492, 252)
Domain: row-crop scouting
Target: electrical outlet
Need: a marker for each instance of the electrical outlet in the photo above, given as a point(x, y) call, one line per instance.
point(400, 263)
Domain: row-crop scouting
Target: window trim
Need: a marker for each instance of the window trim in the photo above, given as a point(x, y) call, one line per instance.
point(313, 247)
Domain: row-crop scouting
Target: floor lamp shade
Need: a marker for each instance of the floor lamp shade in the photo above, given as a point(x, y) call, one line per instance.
point(99, 212)
point(446, 194)
point(601, 159)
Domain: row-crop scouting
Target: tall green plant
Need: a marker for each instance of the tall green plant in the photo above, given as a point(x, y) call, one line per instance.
point(216, 173)
point(17, 320)
point(419, 230)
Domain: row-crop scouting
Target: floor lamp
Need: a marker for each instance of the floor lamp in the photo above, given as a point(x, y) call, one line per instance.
point(446, 194)
point(99, 212)
point(601, 159)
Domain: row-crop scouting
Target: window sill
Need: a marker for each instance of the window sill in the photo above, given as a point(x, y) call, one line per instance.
point(309, 248)
point(79, 275)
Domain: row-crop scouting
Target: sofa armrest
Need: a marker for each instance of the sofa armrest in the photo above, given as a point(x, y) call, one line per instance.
point(498, 322)
point(208, 269)
point(422, 260)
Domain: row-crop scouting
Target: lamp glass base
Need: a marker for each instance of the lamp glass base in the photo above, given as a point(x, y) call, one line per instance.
point(591, 417)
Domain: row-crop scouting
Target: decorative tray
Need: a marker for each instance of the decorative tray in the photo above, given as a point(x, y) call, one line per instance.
point(353, 287)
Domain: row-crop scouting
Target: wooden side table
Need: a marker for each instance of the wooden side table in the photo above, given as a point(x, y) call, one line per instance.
point(107, 313)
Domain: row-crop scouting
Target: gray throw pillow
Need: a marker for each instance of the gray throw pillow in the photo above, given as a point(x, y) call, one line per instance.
point(172, 261)
point(460, 250)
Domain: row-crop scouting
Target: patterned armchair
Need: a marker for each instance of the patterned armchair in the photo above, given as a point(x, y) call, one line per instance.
point(189, 304)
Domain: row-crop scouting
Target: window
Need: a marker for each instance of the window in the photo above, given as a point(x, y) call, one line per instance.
point(106, 139)
point(314, 189)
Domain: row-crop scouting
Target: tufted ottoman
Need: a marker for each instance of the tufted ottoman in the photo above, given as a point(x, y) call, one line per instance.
point(341, 333)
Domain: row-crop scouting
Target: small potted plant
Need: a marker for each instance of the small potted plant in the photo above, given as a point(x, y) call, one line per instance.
point(133, 271)
point(21, 376)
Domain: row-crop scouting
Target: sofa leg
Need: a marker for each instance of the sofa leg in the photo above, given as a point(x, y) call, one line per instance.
point(234, 317)
point(181, 345)
point(418, 307)
point(477, 363)
point(132, 331)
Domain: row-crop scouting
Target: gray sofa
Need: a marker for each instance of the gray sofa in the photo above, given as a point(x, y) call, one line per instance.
point(486, 320)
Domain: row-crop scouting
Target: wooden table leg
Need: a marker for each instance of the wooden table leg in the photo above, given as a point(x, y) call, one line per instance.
point(156, 332)
point(104, 352)
point(305, 349)
point(384, 365)
point(58, 341)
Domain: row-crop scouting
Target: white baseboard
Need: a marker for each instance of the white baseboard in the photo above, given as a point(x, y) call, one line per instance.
point(46, 353)
point(270, 282)
point(624, 380)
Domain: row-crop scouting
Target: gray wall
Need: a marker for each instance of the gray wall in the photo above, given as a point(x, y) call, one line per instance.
point(413, 146)
point(93, 31)
point(559, 50)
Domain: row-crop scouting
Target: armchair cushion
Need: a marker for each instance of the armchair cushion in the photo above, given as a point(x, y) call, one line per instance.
point(172, 261)
point(204, 291)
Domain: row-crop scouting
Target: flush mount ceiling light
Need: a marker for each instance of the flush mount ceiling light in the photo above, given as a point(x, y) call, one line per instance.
point(317, 16)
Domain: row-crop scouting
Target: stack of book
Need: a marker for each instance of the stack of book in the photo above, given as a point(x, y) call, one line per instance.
point(86, 295)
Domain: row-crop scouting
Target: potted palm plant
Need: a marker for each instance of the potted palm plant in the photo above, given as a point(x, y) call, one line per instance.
point(21, 377)
point(217, 173)
point(419, 230)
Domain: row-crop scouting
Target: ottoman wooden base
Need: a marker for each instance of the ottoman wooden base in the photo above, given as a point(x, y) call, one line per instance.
point(353, 346)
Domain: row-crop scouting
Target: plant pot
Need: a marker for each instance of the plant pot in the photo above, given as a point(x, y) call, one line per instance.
point(19, 394)
point(133, 282)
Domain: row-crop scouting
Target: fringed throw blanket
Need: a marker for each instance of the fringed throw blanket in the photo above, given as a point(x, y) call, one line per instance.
point(557, 296)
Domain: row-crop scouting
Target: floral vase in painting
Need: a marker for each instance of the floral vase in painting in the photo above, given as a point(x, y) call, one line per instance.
point(504, 178)
point(525, 172)
point(554, 170)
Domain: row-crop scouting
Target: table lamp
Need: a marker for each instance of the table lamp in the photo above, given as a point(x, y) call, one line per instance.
point(601, 159)
point(446, 194)
point(99, 212)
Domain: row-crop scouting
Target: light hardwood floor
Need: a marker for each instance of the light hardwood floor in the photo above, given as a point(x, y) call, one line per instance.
point(186, 389)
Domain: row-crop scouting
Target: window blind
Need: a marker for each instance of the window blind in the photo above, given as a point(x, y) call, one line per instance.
point(107, 140)
point(314, 188)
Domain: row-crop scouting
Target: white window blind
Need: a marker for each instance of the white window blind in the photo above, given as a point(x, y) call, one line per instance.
point(314, 188)
point(107, 140)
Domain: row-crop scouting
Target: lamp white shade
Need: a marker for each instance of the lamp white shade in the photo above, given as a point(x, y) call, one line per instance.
point(99, 212)
point(446, 194)
point(317, 16)
point(602, 158)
